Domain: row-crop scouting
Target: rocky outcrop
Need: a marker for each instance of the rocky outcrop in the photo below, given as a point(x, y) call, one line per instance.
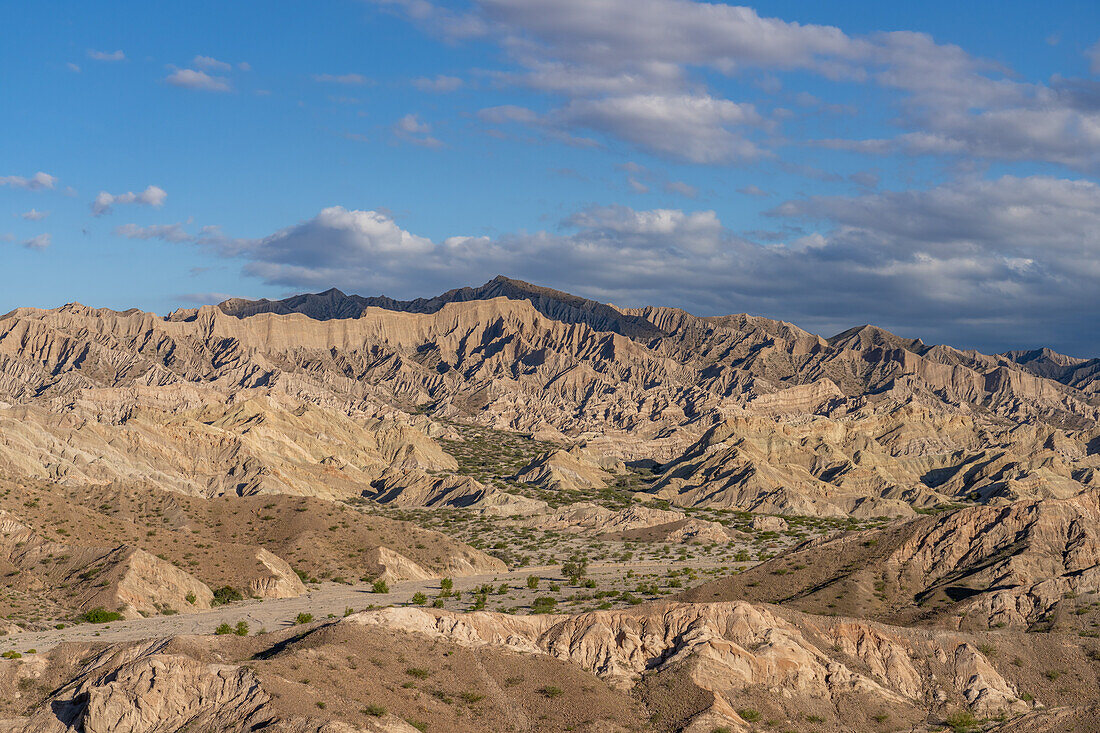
point(1027, 564)
point(151, 689)
point(564, 470)
point(733, 649)
point(124, 578)
point(281, 582)
point(417, 489)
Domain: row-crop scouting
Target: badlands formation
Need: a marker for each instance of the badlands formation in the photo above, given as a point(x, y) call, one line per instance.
point(549, 513)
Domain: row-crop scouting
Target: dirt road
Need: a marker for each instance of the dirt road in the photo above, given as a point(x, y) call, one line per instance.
point(322, 600)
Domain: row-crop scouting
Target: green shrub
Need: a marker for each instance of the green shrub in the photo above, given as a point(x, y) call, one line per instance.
point(241, 629)
point(544, 604)
point(376, 711)
point(191, 598)
point(417, 672)
point(749, 715)
point(380, 586)
point(419, 599)
point(100, 615)
point(223, 629)
point(551, 692)
point(962, 722)
point(532, 581)
point(303, 618)
point(226, 594)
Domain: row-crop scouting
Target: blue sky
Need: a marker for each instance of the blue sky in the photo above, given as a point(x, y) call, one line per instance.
point(931, 168)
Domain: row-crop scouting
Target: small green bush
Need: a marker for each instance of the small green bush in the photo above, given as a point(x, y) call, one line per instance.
point(303, 618)
point(380, 586)
point(532, 581)
point(226, 594)
point(223, 629)
point(100, 615)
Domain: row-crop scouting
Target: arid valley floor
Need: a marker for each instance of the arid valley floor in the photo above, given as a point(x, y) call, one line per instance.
point(508, 508)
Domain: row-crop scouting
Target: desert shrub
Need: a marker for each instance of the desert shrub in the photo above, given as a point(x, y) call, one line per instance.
point(749, 715)
point(223, 629)
point(226, 594)
point(376, 711)
point(191, 598)
point(419, 599)
point(962, 722)
point(551, 692)
point(380, 586)
point(543, 604)
point(532, 581)
point(303, 618)
point(417, 672)
point(241, 629)
point(100, 615)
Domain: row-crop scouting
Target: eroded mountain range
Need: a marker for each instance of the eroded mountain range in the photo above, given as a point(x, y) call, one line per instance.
point(913, 507)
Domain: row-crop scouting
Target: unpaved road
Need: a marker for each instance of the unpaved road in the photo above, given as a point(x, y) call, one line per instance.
point(322, 600)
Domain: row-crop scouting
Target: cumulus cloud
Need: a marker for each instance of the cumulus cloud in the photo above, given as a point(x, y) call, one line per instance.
point(167, 232)
point(681, 188)
point(152, 196)
point(629, 67)
point(412, 129)
point(701, 129)
point(198, 80)
point(1093, 55)
point(37, 182)
point(34, 215)
point(209, 63)
point(105, 55)
point(994, 264)
point(203, 298)
point(439, 83)
point(38, 242)
point(351, 79)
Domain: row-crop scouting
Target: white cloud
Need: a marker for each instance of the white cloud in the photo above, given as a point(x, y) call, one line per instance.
point(209, 63)
point(701, 129)
point(167, 232)
point(152, 196)
point(1093, 55)
point(204, 298)
point(199, 80)
point(955, 263)
point(38, 242)
point(604, 57)
point(106, 56)
point(37, 182)
point(34, 215)
point(753, 190)
point(73, 67)
point(681, 188)
point(411, 129)
point(439, 83)
point(352, 79)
